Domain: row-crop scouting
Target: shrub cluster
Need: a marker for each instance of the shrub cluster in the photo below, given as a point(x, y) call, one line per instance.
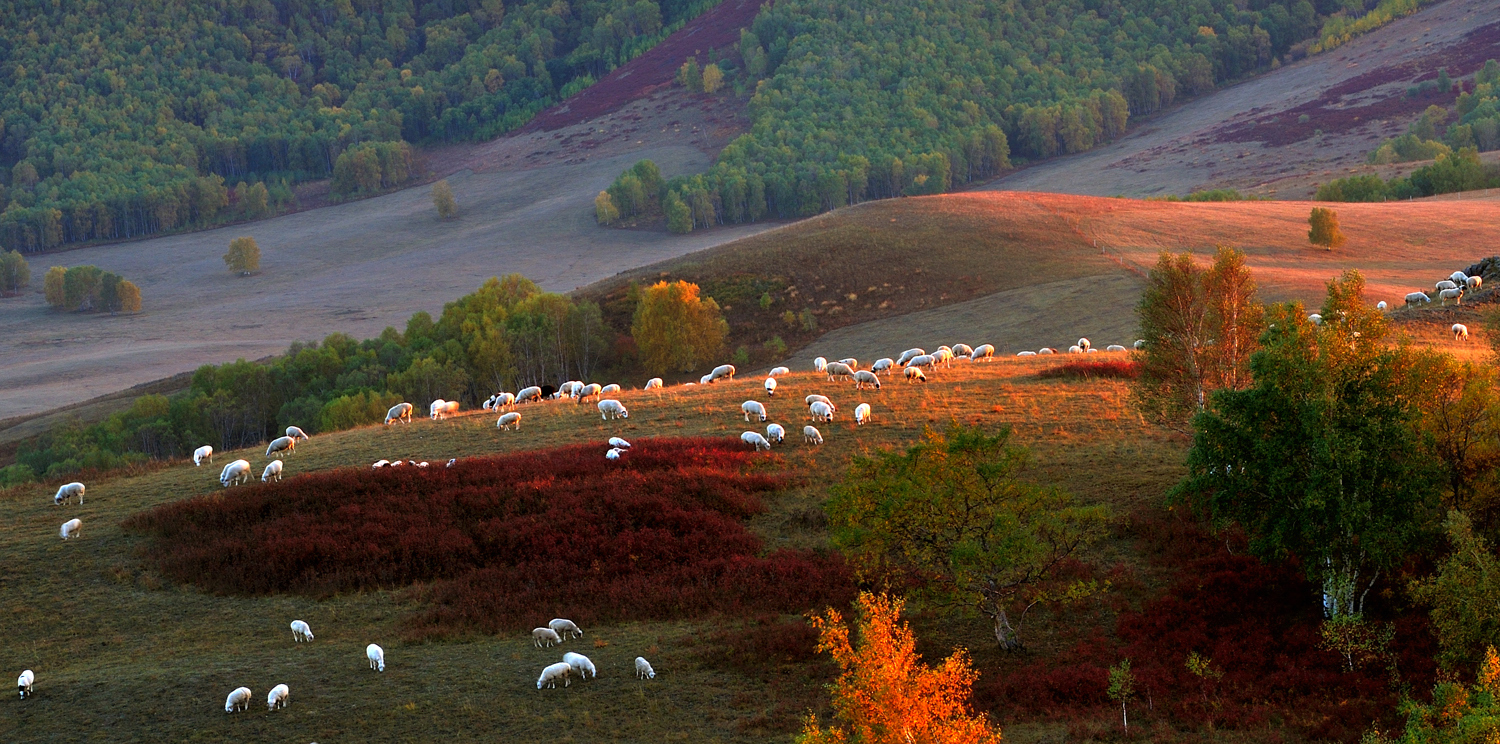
point(493, 544)
point(1124, 369)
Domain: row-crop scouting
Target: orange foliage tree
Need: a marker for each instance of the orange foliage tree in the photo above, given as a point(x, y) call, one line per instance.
point(885, 694)
point(675, 329)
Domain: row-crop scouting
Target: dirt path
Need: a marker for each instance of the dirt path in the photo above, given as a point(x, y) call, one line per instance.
point(1254, 136)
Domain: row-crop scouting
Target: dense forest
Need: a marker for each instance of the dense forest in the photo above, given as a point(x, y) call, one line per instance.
point(126, 119)
point(857, 101)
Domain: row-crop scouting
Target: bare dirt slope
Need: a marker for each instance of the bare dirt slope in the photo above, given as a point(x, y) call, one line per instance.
point(1253, 136)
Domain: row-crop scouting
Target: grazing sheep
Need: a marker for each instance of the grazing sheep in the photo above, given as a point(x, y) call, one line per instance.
point(565, 628)
point(962, 350)
point(1446, 284)
point(1091, 351)
point(235, 473)
point(278, 697)
point(643, 668)
point(943, 357)
point(1458, 277)
point(1460, 332)
point(770, 386)
point(850, 362)
point(914, 375)
point(1457, 295)
point(301, 631)
point(811, 435)
point(399, 412)
point(1114, 347)
point(882, 364)
point(591, 390)
point(1381, 306)
point(814, 398)
point(1473, 283)
point(272, 472)
point(1415, 297)
point(610, 408)
point(381, 463)
point(570, 388)
point(554, 672)
point(509, 420)
point(1075, 349)
point(654, 383)
point(503, 401)
point(422, 464)
point(819, 364)
point(836, 370)
point(203, 453)
point(24, 683)
point(237, 700)
point(1025, 353)
point(68, 491)
point(775, 433)
point(753, 408)
point(70, 528)
point(704, 380)
point(451, 463)
point(722, 372)
point(1045, 351)
point(580, 664)
point(907, 355)
point(984, 351)
point(545, 637)
point(1084, 344)
point(376, 655)
point(618, 442)
point(779, 371)
point(1315, 319)
point(821, 411)
point(281, 446)
point(923, 360)
point(1139, 344)
point(296, 433)
point(528, 395)
point(754, 438)
point(861, 413)
point(438, 409)
point(865, 377)
point(398, 463)
point(614, 453)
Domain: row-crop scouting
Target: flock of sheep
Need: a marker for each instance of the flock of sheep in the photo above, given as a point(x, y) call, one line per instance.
point(1452, 288)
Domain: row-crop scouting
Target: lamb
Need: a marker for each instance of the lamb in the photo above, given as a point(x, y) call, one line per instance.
point(754, 438)
point(865, 377)
point(821, 411)
point(1381, 306)
point(554, 672)
point(861, 413)
point(591, 390)
point(296, 433)
point(770, 386)
point(811, 435)
point(1075, 349)
point(399, 412)
point(838, 369)
point(819, 364)
point(441, 409)
point(1457, 295)
point(882, 364)
point(203, 453)
point(1315, 319)
point(237, 700)
point(235, 473)
point(753, 408)
point(580, 664)
point(643, 669)
point(281, 446)
point(914, 375)
point(68, 491)
point(508, 420)
point(376, 655)
point(775, 433)
point(529, 394)
point(1446, 284)
point(545, 637)
point(619, 443)
point(272, 472)
point(278, 697)
point(723, 371)
point(1025, 353)
point(779, 371)
point(1139, 344)
point(562, 626)
point(907, 355)
point(962, 350)
point(610, 408)
point(24, 683)
point(1473, 283)
point(70, 528)
point(984, 351)
point(814, 398)
point(1460, 332)
point(654, 383)
point(1084, 344)
point(1415, 297)
point(301, 632)
point(1114, 347)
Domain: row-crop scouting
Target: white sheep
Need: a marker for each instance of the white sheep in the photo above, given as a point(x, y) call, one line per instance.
point(1315, 319)
point(399, 412)
point(882, 364)
point(24, 683)
point(865, 377)
point(545, 637)
point(68, 491)
point(297, 433)
point(70, 528)
point(654, 383)
point(528, 395)
point(821, 411)
point(451, 463)
point(591, 390)
point(441, 409)
point(983, 351)
point(614, 453)
point(281, 446)
point(376, 655)
point(422, 464)
point(272, 472)
point(723, 371)
point(779, 371)
point(907, 355)
point(1415, 297)
point(301, 631)
point(814, 398)
point(1114, 347)
point(819, 364)
point(704, 380)
point(861, 413)
point(278, 697)
point(1458, 277)
point(1025, 353)
point(1473, 283)
point(643, 669)
point(509, 420)
point(610, 408)
point(1446, 284)
point(203, 453)
point(914, 375)
point(569, 388)
point(1381, 306)
point(1139, 344)
point(503, 401)
point(850, 362)
point(755, 439)
point(770, 386)
point(811, 435)
point(962, 350)
point(398, 463)
point(942, 356)
point(554, 672)
point(619, 443)
point(1457, 295)
point(753, 408)
point(1460, 332)
point(235, 473)
point(1075, 349)
point(381, 463)
point(836, 370)
point(565, 628)
point(237, 700)
point(1084, 344)
point(776, 434)
point(922, 360)
point(581, 664)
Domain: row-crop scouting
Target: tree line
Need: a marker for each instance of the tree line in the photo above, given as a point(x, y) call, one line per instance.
point(90, 289)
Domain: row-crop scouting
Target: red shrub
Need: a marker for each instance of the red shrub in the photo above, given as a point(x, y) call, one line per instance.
point(1125, 369)
point(497, 542)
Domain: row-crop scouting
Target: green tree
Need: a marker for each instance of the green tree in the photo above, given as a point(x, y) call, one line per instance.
point(950, 513)
point(427, 380)
point(1461, 594)
point(15, 273)
point(243, 257)
point(1325, 228)
point(675, 330)
point(52, 286)
point(690, 76)
point(1321, 458)
point(1461, 424)
point(1458, 714)
point(1121, 689)
point(679, 215)
point(713, 79)
point(81, 288)
point(442, 198)
point(605, 212)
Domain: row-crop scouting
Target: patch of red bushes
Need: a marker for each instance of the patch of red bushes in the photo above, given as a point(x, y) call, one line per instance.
point(1124, 369)
point(492, 544)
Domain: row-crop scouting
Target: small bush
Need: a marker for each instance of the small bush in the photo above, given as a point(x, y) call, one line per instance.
point(1123, 369)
